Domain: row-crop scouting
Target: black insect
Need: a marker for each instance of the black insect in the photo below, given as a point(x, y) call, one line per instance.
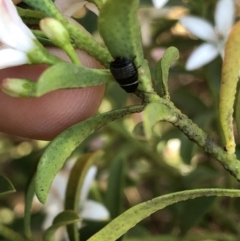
point(125, 73)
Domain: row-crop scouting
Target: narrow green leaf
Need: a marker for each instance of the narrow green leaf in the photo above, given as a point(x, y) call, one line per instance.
point(74, 187)
point(119, 27)
point(138, 132)
point(64, 218)
point(228, 89)
point(153, 113)
point(28, 206)
point(237, 109)
point(29, 13)
point(219, 236)
point(162, 71)
point(120, 226)
point(114, 194)
point(153, 238)
point(186, 149)
point(64, 144)
point(42, 38)
point(193, 211)
point(30, 16)
point(10, 234)
point(91, 227)
point(67, 75)
point(6, 186)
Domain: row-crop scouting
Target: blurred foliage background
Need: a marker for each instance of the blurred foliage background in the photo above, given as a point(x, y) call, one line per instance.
point(133, 170)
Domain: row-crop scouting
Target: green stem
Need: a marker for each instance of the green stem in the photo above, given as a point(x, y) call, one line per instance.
point(82, 40)
point(194, 133)
point(72, 54)
point(40, 55)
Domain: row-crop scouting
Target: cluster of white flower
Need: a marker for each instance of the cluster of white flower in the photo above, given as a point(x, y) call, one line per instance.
point(88, 209)
point(215, 37)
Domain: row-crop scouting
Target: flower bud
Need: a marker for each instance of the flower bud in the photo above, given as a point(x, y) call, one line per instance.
point(55, 31)
point(18, 87)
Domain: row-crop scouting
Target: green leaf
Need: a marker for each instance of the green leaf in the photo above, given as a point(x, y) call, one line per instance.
point(120, 30)
point(29, 13)
point(119, 27)
point(42, 38)
point(161, 25)
point(183, 97)
point(153, 238)
point(119, 225)
point(201, 176)
point(162, 70)
point(237, 109)
point(30, 16)
point(67, 75)
point(74, 187)
point(228, 89)
point(204, 236)
point(64, 144)
point(213, 78)
point(91, 228)
point(153, 113)
point(114, 194)
point(138, 131)
point(28, 206)
point(10, 234)
point(64, 218)
point(193, 211)
point(6, 186)
point(186, 149)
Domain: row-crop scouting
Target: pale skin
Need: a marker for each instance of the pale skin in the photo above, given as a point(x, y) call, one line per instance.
point(45, 117)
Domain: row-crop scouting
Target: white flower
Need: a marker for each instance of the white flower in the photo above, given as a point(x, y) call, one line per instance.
point(88, 209)
point(68, 8)
point(16, 40)
point(215, 37)
point(159, 3)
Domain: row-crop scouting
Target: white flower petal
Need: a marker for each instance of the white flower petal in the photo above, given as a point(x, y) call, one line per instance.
point(159, 3)
point(13, 32)
point(71, 10)
point(64, 5)
point(224, 16)
point(199, 27)
point(12, 57)
point(51, 210)
point(87, 183)
point(202, 55)
point(92, 7)
point(94, 210)
point(14, 37)
point(9, 14)
point(58, 187)
point(74, 8)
